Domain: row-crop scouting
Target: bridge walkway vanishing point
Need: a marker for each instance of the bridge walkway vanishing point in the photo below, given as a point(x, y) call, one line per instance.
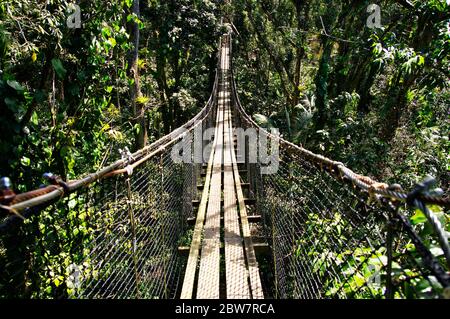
point(126, 231)
point(241, 268)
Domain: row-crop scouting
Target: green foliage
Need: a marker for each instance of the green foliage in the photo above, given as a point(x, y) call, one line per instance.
point(59, 68)
point(66, 91)
point(376, 100)
point(262, 120)
point(378, 95)
point(65, 108)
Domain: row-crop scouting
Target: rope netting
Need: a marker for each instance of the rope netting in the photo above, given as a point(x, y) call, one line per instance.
point(116, 233)
point(112, 234)
point(328, 241)
point(336, 234)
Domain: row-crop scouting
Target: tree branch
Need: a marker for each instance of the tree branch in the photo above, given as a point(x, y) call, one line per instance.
point(406, 4)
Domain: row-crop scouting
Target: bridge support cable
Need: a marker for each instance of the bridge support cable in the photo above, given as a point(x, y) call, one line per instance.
point(99, 238)
point(330, 233)
point(338, 234)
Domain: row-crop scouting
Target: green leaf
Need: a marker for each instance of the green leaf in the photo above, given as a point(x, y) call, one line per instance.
point(377, 49)
point(142, 100)
point(105, 127)
point(112, 42)
point(131, 17)
point(106, 32)
point(418, 218)
point(359, 279)
point(34, 119)
point(15, 85)
point(59, 68)
point(421, 60)
point(129, 3)
point(137, 128)
point(25, 161)
point(262, 120)
point(11, 103)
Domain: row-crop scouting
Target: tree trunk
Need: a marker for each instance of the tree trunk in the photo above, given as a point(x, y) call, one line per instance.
point(301, 7)
point(161, 79)
point(322, 84)
point(177, 73)
point(364, 90)
point(135, 89)
point(422, 39)
point(397, 105)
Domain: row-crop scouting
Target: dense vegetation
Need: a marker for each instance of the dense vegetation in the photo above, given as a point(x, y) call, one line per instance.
point(376, 99)
point(71, 96)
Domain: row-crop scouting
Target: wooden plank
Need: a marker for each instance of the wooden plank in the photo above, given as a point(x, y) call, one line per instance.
point(189, 277)
point(191, 267)
point(251, 219)
point(243, 185)
point(209, 275)
point(208, 286)
point(241, 281)
point(208, 281)
point(247, 201)
point(236, 273)
point(253, 269)
point(241, 171)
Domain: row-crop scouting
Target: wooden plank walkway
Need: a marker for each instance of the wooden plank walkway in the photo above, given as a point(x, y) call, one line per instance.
point(242, 280)
point(208, 282)
point(189, 278)
point(235, 267)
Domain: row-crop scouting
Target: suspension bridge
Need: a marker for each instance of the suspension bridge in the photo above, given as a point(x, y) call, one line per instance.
point(148, 226)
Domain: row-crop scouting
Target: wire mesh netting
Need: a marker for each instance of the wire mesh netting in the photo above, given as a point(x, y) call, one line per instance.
point(330, 239)
point(118, 236)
